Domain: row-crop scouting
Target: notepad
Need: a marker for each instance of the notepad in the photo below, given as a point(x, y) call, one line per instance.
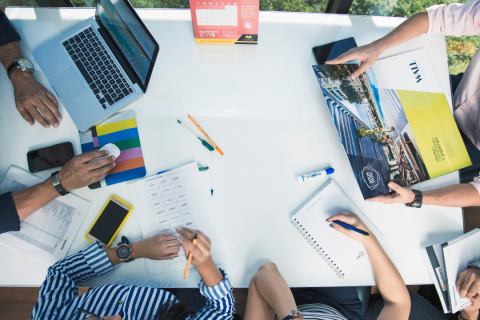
point(340, 252)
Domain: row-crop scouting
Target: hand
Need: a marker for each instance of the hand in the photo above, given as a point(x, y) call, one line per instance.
point(401, 195)
point(33, 100)
point(471, 312)
point(201, 251)
point(353, 220)
point(78, 173)
point(367, 55)
point(162, 246)
point(468, 283)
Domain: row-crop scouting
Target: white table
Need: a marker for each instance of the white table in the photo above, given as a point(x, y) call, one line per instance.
point(263, 107)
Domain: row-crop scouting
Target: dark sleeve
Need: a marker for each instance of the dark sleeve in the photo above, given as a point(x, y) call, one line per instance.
point(9, 220)
point(7, 32)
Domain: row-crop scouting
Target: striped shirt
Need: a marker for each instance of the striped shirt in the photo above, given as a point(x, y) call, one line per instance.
point(58, 296)
point(320, 311)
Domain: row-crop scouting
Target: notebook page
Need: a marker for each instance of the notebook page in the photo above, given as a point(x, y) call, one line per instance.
point(457, 256)
point(344, 252)
point(174, 198)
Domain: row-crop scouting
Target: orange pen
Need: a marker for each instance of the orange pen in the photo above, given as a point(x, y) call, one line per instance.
point(190, 256)
point(206, 136)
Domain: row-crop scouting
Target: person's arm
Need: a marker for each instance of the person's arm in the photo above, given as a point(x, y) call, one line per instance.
point(411, 28)
point(215, 285)
point(61, 285)
point(458, 195)
point(30, 96)
point(77, 173)
point(389, 281)
point(468, 284)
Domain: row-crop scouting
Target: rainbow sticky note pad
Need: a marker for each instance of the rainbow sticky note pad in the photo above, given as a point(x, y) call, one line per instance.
point(122, 131)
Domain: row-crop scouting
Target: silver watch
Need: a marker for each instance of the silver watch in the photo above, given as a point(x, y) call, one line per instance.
point(474, 264)
point(22, 64)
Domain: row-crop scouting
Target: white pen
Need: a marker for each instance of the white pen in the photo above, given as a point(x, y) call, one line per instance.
point(205, 143)
point(304, 177)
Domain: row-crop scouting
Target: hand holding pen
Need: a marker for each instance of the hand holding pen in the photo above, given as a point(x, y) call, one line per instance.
point(201, 258)
point(350, 225)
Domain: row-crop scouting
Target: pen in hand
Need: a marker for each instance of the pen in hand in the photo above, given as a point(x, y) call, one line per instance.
point(190, 256)
point(346, 225)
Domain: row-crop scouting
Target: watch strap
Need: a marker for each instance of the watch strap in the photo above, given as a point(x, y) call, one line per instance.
point(56, 183)
point(14, 65)
point(417, 201)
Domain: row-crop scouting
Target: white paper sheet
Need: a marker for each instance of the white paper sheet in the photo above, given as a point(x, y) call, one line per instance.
point(179, 197)
point(47, 234)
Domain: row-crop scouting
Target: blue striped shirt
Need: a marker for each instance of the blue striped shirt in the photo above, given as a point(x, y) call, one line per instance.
point(58, 296)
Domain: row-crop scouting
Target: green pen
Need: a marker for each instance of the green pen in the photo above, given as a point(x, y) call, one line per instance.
point(205, 143)
point(202, 168)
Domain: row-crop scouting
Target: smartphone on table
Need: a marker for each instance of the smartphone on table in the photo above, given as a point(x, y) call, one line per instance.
point(50, 157)
point(109, 221)
point(333, 50)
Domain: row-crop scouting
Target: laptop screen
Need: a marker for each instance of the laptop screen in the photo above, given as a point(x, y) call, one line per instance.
point(130, 35)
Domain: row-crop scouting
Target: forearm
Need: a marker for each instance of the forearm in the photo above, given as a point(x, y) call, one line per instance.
point(411, 28)
point(389, 281)
point(29, 200)
point(210, 274)
point(459, 195)
point(10, 52)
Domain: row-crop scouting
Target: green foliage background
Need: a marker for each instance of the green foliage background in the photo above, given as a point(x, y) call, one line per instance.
point(459, 50)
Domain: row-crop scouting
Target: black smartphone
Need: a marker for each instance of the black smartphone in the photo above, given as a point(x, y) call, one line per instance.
point(50, 157)
point(333, 50)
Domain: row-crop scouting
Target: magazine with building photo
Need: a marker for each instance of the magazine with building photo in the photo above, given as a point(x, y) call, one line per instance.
point(393, 121)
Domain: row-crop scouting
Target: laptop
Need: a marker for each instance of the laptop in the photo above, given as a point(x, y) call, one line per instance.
point(101, 65)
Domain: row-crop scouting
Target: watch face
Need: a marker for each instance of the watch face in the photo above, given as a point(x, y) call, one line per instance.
point(25, 63)
point(123, 252)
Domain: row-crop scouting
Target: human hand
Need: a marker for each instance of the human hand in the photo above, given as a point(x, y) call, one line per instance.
point(78, 172)
point(162, 246)
point(353, 220)
point(468, 283)
point(367, 55)
point(33, 100)
point(401, 195)
point(201, 251)
point(472, 311)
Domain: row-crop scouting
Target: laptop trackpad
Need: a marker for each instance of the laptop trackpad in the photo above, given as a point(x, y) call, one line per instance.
point(67, 85)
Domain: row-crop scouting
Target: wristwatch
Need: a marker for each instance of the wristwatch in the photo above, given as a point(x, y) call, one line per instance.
point(22, 64)
point(123, 250)
point(474, 264)
point(57, 184)
point(417, 201)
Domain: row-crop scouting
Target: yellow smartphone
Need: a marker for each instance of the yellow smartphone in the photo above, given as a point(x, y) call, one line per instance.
point(109, 221)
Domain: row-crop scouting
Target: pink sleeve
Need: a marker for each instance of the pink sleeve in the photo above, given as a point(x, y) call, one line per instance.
point(455, 19)
point(476, 183)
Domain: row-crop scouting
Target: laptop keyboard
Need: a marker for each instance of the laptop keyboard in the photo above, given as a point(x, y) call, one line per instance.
point(97, 67)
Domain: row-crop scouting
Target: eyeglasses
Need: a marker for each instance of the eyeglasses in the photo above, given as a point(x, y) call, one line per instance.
point(88, 313)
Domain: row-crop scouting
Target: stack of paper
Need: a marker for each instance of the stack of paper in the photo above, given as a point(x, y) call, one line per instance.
point(176, 198)
point(47, 234)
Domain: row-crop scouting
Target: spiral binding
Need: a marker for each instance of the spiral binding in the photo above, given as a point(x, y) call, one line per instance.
point(319, 249)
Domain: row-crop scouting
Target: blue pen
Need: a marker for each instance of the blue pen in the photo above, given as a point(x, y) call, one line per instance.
point(324, 172)
point(346, 225)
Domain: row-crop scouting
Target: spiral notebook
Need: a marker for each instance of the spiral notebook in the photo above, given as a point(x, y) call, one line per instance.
point(341, 253)
point(457, 253)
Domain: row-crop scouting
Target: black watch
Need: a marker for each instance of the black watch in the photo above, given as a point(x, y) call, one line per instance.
point(22, 64)
point(123, 250)
point(57, 184)
point(417, 201)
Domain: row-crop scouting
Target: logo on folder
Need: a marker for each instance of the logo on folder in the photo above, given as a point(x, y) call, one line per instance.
point(416, 71)
point(371, 177)
point(248, 37)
